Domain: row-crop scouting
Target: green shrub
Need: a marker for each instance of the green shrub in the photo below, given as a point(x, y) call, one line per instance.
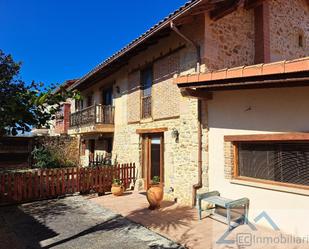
point(117, 182)
point(45, 157)
point(156, 180)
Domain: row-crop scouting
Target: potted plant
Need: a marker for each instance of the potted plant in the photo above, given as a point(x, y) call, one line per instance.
point(155, 193)
point(117, 187)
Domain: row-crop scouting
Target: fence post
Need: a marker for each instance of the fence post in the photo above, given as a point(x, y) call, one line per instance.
point(30, 186)
point(77, 180)
point(62, 181)
point(35, 185)
point(2, 186)
point(52, 182)
point(41, 183)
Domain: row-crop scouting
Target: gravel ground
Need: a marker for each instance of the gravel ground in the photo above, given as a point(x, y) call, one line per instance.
point(73, 222)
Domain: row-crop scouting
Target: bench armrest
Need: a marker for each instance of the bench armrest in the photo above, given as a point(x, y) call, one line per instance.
point(206, 195)
point(237, 203)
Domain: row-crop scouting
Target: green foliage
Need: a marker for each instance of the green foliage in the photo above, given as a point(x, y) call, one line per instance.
point(25, 106)
point(156, 180)
point(45, 157)
point(116, 181)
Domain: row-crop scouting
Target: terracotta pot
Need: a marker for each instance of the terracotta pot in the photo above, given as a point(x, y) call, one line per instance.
point(117, 190)
point(155, 196)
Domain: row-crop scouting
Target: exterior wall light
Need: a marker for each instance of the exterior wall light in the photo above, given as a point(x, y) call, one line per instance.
point(175, 134)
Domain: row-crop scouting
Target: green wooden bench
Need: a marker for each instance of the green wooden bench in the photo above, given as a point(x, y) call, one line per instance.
point(215, 199)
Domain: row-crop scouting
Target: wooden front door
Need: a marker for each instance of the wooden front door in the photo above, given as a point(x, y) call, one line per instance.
point(153, 158)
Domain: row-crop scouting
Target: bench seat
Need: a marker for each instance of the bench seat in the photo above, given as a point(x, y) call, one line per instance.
point(214, 198)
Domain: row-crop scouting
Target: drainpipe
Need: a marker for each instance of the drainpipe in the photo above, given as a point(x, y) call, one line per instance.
point(199, 184)
point(194, 44)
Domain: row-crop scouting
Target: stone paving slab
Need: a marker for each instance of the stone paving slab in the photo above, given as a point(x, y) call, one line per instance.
point(73, 222)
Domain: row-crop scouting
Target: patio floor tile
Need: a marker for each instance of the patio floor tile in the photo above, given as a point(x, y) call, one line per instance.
point(180, 224)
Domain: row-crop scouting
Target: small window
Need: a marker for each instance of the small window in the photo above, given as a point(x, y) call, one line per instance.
point(301, 40)
point(146, 81)
point(146, 84)
point(282, 162)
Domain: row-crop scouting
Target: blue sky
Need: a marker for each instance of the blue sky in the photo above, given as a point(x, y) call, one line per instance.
point(63, 39)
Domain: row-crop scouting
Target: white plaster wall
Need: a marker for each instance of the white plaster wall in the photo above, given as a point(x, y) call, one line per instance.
point(259, 111)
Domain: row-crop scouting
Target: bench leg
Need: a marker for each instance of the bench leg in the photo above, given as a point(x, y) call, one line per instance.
point(246, 213)
point(199, 203)
point(228, 216)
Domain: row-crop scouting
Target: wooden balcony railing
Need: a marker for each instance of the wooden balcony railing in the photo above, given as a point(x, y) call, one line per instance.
point(146, 107)
point(96, 114)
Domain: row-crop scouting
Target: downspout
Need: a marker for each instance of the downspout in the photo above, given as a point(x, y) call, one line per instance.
point(199, 184)
point(194, 44)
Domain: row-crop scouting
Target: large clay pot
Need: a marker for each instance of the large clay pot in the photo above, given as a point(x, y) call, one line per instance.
point(117, 190)
point(155, 196)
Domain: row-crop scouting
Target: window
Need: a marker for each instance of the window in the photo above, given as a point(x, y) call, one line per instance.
point(284, 162)
point(300, 40)
point(79, 105)
point(146, 84)
point(107, 96)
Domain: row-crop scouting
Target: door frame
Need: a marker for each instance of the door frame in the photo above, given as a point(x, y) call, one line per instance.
point(146, 158)
point(92, 149)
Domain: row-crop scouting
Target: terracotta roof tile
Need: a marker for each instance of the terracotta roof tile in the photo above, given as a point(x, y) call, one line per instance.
point(280, 67)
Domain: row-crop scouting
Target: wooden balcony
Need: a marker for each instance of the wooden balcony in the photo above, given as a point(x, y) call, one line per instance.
point(93, 119)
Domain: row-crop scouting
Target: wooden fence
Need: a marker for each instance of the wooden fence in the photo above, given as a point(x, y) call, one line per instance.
point(52, 183)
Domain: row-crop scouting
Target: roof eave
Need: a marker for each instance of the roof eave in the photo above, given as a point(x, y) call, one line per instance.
point(158, 27)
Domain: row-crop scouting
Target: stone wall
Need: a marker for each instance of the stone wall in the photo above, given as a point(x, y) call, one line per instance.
point(288, 20)
point(229, 42)
point(170, 110)
point(180, 158)
point(134, 97)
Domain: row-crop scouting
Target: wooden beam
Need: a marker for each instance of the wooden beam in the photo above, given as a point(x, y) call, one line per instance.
point(251, 4)
point(224, 9)
point(216, 1)
point(198, 93)
point(202, 9)
point(155, 130)
point(301, 136)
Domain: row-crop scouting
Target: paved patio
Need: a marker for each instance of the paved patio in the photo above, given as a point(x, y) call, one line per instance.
point(180, 224)
point(73, 223)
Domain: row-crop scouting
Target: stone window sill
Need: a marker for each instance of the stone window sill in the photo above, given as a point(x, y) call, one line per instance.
point(146, 120)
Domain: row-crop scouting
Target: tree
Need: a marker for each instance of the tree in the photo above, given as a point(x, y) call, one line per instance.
point(25, 106)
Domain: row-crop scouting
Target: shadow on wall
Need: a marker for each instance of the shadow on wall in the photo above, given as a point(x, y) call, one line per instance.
point(272, 110)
